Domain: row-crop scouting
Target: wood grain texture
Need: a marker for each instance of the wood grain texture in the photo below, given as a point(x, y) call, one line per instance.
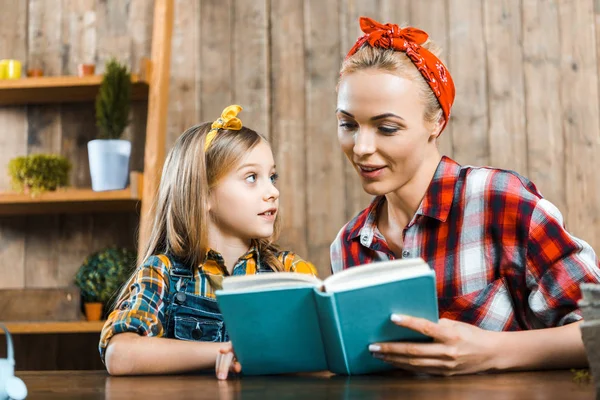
point(250, 46)
point(58, 304)
point(470, 112)
point(324, 162)
point(13, 142)
point(506, 97)
point(288, 119)
point(581, 123)
point(44, 135)
point(541, 65)
point(216, 55)
point(99, 385)
point(59, 351)
point(185, 84)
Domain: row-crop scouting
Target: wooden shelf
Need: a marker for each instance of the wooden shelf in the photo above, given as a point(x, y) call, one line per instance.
point(60, 89)
point(16, 328)
point(74, 200)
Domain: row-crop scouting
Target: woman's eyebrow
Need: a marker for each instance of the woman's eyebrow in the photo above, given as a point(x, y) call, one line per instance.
point(375, 118)
point(339, 110)
point(386, 115)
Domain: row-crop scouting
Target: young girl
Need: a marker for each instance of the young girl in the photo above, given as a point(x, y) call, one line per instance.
point(216, 214)
point(508, 272)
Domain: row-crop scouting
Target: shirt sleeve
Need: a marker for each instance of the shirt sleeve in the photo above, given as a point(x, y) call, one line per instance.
point(142, 308)
point(293, 263)
point(557, 263)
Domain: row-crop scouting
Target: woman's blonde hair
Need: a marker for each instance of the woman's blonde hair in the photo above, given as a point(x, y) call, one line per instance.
point(397, 62)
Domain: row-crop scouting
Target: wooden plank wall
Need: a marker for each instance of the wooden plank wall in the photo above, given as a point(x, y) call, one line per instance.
point(526, 73)
point(56, 35)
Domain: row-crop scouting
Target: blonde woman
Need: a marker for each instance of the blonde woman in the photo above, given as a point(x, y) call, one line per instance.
point(507, 270)
point(216, 214)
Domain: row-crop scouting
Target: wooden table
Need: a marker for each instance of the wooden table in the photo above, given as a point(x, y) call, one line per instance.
point(99, 385)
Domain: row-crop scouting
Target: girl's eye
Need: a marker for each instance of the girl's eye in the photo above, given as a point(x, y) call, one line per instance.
point(274, 178)
point(251, 178)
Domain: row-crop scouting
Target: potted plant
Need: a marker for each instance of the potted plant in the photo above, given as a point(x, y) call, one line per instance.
point(101, 276)
point(109, 154)
point(37, 173)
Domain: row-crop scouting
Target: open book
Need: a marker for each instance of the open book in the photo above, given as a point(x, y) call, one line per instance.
point(286, 322)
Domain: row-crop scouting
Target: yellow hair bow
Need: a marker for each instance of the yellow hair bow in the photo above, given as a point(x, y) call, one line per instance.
point(228, 120)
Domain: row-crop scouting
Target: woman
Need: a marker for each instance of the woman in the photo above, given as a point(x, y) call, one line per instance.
point(507, 271)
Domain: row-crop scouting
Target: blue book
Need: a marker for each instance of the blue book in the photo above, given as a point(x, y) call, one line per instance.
point(287, 322)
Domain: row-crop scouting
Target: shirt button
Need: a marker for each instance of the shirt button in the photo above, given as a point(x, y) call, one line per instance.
point(180, 297)
point(405, 253)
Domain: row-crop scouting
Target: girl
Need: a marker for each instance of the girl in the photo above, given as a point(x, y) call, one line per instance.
point(216, 214)
point(508, 272)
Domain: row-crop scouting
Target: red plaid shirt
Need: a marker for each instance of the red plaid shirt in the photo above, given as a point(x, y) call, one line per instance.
point(502, 257)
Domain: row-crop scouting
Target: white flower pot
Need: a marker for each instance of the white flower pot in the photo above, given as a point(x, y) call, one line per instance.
point(109, 163)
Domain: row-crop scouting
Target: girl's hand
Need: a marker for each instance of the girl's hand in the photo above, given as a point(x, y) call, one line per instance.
point(226, 363)
point(457, 348)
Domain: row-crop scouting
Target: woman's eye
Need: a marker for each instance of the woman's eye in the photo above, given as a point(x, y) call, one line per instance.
point(388, 130)
point(251, 178)
point(347, 126)
point(274, 178)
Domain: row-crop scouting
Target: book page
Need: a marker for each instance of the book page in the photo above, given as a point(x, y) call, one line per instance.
point(375, 274)
point(269, 281)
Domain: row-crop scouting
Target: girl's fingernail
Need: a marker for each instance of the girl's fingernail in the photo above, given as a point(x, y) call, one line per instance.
point(374, 347)
point(222, 376)
point(396, 318)
point(378, 355)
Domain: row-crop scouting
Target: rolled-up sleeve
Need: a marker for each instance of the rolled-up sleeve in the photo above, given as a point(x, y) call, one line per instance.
point(557, 263)
point(142, 308)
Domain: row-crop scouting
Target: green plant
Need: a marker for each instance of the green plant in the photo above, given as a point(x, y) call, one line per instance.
point(102, 273)
point(113, 101)
point(581, 375)
point(39, 172)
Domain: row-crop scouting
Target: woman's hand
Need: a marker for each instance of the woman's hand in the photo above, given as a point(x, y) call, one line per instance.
point(457, 348)
point(226, 362)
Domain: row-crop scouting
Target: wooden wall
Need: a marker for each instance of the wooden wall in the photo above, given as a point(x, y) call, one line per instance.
point(526, 73)
point(56, 35)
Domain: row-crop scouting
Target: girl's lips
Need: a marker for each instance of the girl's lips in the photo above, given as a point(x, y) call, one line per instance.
point(269, 215)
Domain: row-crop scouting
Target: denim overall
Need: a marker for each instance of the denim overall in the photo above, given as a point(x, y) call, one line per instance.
point(188, 315)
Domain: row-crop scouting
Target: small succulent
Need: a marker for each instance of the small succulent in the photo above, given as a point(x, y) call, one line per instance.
point(37, 173)
point(103, 273)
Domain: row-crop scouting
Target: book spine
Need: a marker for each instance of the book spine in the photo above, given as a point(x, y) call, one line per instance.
point(331, 333)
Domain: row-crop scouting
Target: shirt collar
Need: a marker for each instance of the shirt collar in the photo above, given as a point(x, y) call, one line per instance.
point(213, 255)
point(436, 203)
point(438, 198)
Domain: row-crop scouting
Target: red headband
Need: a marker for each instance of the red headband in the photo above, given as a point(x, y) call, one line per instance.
point(409, 40)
